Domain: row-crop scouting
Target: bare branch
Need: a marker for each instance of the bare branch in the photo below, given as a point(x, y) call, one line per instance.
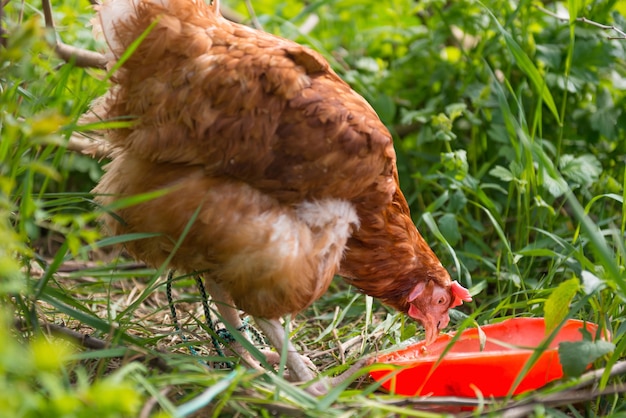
point(620, 32)
point(89, 342)
point(95, 148)
point(340, 347)
point(255, 21)
point(84, 340)
point(559, 399)
point(80, 57)
point(92, 144)
point(47, 13)
point(594, 376)
point(90, 59)
point(606, 27)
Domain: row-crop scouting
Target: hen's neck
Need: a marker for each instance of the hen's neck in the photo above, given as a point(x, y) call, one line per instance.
point(387, 256)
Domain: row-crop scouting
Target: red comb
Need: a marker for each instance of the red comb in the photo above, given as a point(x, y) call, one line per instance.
point(460, 294)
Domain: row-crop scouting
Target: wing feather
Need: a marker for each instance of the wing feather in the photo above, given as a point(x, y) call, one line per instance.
point(246, 105)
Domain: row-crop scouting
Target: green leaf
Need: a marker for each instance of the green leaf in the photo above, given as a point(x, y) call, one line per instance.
point(557, 305)
point(551, 55)
point(455, 110)
point(555, 186)
point(584, 170)
point(502, 173)
point(457, 202)
point(385, 108)
point(409, 331)
point(430, 222)
point(604, 119)
point(44, 169)
point(456, 162)
point(45, 124)
point(449, 227)
point(576, 356)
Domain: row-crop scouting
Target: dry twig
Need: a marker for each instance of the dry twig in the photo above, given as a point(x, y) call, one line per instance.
point(620, 32)
point(80, 57)
point(92, 343)
point(343, 347)
point(567, 397)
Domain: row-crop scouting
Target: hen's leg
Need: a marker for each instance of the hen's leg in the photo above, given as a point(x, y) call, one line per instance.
point(299, 371)
point(298, 366)
point(230, 314)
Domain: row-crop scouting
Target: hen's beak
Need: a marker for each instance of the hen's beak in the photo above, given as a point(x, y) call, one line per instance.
point(431, 329)
point(430, 324)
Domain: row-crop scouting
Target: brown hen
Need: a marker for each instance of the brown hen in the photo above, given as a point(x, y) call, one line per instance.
point(275, 174)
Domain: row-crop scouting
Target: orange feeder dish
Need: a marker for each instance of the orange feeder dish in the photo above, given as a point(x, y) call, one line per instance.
point(466, 369)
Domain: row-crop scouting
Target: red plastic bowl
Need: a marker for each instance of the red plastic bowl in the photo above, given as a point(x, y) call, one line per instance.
point(466, 370)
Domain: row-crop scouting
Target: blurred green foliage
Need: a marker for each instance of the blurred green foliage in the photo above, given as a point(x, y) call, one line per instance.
point(510, 127)
point(39, 103)
point(36, 382)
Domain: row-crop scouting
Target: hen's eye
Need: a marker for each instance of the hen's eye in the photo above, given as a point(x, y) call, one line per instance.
point(441, 301)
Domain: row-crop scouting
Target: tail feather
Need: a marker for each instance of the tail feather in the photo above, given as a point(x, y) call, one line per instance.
point(115, 15)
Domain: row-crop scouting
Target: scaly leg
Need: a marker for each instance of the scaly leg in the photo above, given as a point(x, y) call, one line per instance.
point(230, 314)
point(298, 366)
point(299, 371)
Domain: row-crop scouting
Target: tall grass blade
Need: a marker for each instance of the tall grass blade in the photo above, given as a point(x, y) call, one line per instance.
point(207, 396)
point(526, 65)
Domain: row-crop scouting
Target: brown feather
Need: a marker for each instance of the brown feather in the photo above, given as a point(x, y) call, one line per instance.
point(387, 256)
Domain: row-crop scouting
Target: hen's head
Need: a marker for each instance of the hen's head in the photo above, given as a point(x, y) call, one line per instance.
point(429, 303)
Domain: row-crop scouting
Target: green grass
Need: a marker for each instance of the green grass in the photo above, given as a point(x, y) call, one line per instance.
point(510, 130)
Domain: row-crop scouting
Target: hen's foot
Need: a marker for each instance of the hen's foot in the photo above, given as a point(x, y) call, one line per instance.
point(301, 369)
point(326, 384)
point(273, 359)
